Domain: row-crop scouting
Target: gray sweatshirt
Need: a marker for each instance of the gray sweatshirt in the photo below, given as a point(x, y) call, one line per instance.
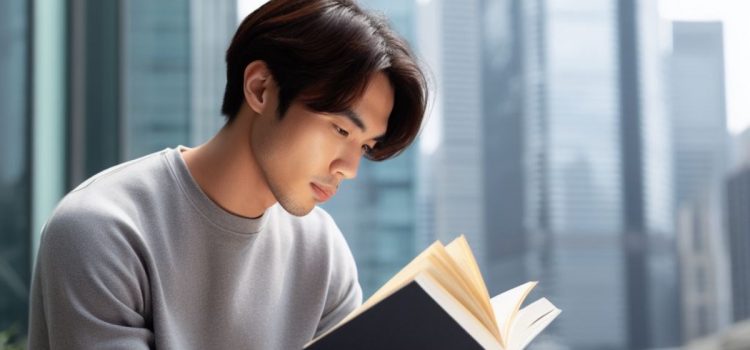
point(139, 257)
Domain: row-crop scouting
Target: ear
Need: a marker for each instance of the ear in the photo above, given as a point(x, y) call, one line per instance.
point(256, 84)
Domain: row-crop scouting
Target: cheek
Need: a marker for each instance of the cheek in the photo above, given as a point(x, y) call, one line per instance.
point(310, 153)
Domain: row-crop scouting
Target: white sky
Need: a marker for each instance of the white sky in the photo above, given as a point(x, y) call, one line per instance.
point(244, 7)
point(736, 17)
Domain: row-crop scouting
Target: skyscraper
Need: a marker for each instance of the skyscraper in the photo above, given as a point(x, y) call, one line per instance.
point(156, 81)
point(15, 186)
point(698, 107)
point(700, 149)
point(212, 24)
point(173, 72)
point(457, 160)
point(503, 139)
point(738, 226)
point(704, 273)
point(569, 150)
point(575, 145)
point(650, 250)
point(597, 193)
point(738, 205)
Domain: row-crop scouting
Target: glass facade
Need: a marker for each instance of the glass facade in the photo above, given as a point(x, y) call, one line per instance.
point(156, 76)
point(698, 124)
point(698, 108)
point(503, 136)
point(459, 157)
point(112, 85)
point(15, 184)
point(599, 196)
point(583, 172)
point(585, 184)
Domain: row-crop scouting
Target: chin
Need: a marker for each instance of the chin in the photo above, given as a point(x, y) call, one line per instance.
point(296, 208)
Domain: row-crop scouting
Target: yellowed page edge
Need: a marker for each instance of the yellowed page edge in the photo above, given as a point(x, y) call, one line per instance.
point(461, 251)
point(460, 289)
point(507, 304)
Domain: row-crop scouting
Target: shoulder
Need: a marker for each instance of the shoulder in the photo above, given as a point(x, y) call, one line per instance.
point(114, 195)
point(127, 176)
point(86, 233)
point(102, 212)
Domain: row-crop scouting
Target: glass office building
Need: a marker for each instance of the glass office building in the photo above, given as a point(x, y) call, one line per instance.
point(88, 84)
point(15, 171)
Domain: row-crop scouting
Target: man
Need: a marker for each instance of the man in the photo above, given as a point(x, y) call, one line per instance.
point(221, 246)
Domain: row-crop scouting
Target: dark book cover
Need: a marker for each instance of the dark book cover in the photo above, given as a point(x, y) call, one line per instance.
point(408, 319)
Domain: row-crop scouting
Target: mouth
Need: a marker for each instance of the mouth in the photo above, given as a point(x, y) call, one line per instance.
point(322, 192)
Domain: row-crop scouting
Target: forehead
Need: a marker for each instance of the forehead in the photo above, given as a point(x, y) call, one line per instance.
point(376, 103)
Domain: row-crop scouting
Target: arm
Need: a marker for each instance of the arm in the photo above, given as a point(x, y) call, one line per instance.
point(90, 287)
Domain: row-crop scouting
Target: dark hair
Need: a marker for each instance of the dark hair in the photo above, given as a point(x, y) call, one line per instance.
point(324, 52)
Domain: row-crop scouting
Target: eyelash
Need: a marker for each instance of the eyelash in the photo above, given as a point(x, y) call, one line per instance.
point(366, 149)
point(341, 131)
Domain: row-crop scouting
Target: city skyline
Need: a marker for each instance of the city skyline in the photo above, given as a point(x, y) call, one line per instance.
point(568, 168)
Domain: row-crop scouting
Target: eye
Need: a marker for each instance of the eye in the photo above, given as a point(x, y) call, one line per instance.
point(340, 131)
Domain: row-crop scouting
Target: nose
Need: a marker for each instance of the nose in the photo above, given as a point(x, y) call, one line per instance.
point(347, 163)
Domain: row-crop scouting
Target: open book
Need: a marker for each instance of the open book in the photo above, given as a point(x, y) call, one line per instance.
point(439, 301)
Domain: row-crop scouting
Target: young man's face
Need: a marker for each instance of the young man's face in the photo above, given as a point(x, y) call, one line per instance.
point(305, 155)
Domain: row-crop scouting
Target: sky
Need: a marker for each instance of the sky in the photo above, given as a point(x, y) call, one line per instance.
point(735, 14)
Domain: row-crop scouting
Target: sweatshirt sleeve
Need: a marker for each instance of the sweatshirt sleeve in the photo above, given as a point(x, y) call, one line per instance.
point(90, 287)
point(345, 292)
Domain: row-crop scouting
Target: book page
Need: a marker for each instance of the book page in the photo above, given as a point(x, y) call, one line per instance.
point(423, 262)
point(507, 304)
point(531, 320)
point(456, 271)
point(460, 251)
point(447, 272)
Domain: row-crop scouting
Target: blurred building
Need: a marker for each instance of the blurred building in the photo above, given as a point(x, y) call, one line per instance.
point(700, 146)
point(377, 211)
point(735, 338)
point(600, 207)
point(502, 84)
point(704, 272)
point(15, 164)
point(698, 108)
point(459, 184)
point(88, 84)
point(472, 159)
point(740, 149)
point(144, 76)
point(570, 151)
point(450, 41)
point(738, 207)
point(574, 150)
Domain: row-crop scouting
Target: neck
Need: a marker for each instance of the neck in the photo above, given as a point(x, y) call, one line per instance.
point(226, 170)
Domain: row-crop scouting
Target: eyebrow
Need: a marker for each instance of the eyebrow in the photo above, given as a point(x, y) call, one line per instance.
point(357, 120)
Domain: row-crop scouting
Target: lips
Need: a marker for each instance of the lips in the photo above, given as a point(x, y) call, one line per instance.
point(322, 192)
